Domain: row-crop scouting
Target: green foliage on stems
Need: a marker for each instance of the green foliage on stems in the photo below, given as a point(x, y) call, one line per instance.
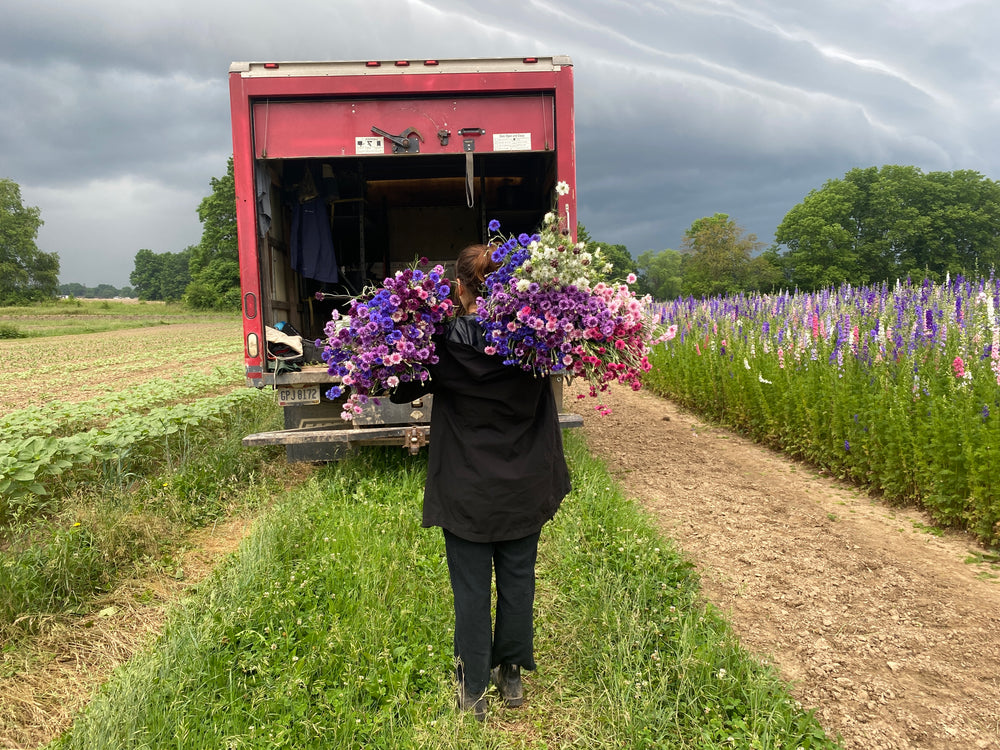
point(129, 513)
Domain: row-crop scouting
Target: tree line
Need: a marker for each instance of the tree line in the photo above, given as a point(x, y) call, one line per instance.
point(873, 224)
point(101, 291)
point(203, 276)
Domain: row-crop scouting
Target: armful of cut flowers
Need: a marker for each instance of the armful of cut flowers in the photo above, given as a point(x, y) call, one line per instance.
point(547, 310)
point(384, 338)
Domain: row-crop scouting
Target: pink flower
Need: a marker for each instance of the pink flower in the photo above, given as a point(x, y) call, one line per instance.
point(959, 367)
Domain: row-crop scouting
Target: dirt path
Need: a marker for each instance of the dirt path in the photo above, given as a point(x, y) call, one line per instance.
point(883, 628)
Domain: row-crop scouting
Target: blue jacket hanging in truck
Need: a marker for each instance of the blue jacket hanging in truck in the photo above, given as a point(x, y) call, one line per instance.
point(311, 240)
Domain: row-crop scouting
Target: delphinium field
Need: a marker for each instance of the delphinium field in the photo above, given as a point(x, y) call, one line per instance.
point(894, 386)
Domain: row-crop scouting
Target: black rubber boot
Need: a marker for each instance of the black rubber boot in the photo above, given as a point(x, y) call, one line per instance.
point(507, 678)
point(476, 705)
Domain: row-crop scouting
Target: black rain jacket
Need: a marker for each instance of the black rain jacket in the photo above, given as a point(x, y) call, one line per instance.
point(495, 469)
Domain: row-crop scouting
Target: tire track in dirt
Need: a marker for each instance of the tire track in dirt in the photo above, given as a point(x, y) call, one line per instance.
point(883, 628)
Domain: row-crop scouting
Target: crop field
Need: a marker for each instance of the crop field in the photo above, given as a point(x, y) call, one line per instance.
point(895, 387)
point(75, 316)
point(331, 622)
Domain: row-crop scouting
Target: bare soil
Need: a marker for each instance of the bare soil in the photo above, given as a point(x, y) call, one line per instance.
point(888, 630)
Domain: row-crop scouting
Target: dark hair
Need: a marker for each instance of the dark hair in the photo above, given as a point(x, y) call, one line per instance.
point(472, 267)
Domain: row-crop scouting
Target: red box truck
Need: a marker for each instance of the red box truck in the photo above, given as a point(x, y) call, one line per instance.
point(348, 171)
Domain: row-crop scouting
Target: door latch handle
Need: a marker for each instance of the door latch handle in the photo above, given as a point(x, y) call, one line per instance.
point(402, 143)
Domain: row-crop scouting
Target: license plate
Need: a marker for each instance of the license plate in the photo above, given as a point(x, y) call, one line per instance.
point(297, 396)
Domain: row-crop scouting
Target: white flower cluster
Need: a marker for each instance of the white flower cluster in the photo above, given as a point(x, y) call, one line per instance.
point(555, 262)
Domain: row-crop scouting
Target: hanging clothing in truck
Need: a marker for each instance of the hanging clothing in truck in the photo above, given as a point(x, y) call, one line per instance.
point(263, 179)
point(312, 249)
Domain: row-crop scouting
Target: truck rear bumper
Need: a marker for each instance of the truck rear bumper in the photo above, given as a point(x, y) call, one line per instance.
point(410, 436)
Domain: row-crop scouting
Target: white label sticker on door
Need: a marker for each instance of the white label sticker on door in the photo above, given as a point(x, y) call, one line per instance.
point(512, 141)
point(369, 144)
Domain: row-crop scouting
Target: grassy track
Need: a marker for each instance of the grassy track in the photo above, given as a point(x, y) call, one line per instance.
point(331, 628)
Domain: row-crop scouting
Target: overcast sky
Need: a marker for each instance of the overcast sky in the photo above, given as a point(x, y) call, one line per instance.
point(114, 116)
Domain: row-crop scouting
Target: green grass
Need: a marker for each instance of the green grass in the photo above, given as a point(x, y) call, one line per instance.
point(332, 629)
point(75, 316)
point(108, 527)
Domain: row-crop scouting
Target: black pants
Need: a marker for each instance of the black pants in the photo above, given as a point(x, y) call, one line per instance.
point(479, 645)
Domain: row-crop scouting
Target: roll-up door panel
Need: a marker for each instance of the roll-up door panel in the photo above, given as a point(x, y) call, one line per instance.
point(329, 128)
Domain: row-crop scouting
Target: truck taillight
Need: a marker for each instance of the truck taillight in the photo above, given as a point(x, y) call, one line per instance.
point(271, 66)
point(530, 60)
point(372, 64)
point(430, 62)
point(402, 63)
point(253, 345)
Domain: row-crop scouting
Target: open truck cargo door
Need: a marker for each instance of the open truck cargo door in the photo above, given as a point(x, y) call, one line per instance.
point(348, 171)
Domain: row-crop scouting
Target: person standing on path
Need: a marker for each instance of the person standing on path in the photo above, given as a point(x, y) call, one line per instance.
point(496, 473)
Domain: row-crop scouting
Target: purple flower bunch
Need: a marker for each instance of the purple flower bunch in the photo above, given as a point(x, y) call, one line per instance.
point(547, 311)
point(385, 337)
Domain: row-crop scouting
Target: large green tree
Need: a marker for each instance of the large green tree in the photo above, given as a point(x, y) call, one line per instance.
point(717, 257)
point(214, 263)
point(882, 223)
point(26, 273)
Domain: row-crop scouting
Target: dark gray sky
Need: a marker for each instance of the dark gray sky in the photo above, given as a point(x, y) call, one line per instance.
point(115, 115)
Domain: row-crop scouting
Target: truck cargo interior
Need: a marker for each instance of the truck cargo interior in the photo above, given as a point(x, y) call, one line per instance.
point(341, 223)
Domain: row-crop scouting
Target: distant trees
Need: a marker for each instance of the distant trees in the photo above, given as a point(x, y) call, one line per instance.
point(161, 276)
point(716, 257)
point(660, 274)
point(874, 224)
point(883, 223)
point(101, 291)
point(621, 260)
point(207, 275)
point(26, 273)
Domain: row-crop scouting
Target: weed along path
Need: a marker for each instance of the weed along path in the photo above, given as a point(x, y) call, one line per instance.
point(891, 633)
